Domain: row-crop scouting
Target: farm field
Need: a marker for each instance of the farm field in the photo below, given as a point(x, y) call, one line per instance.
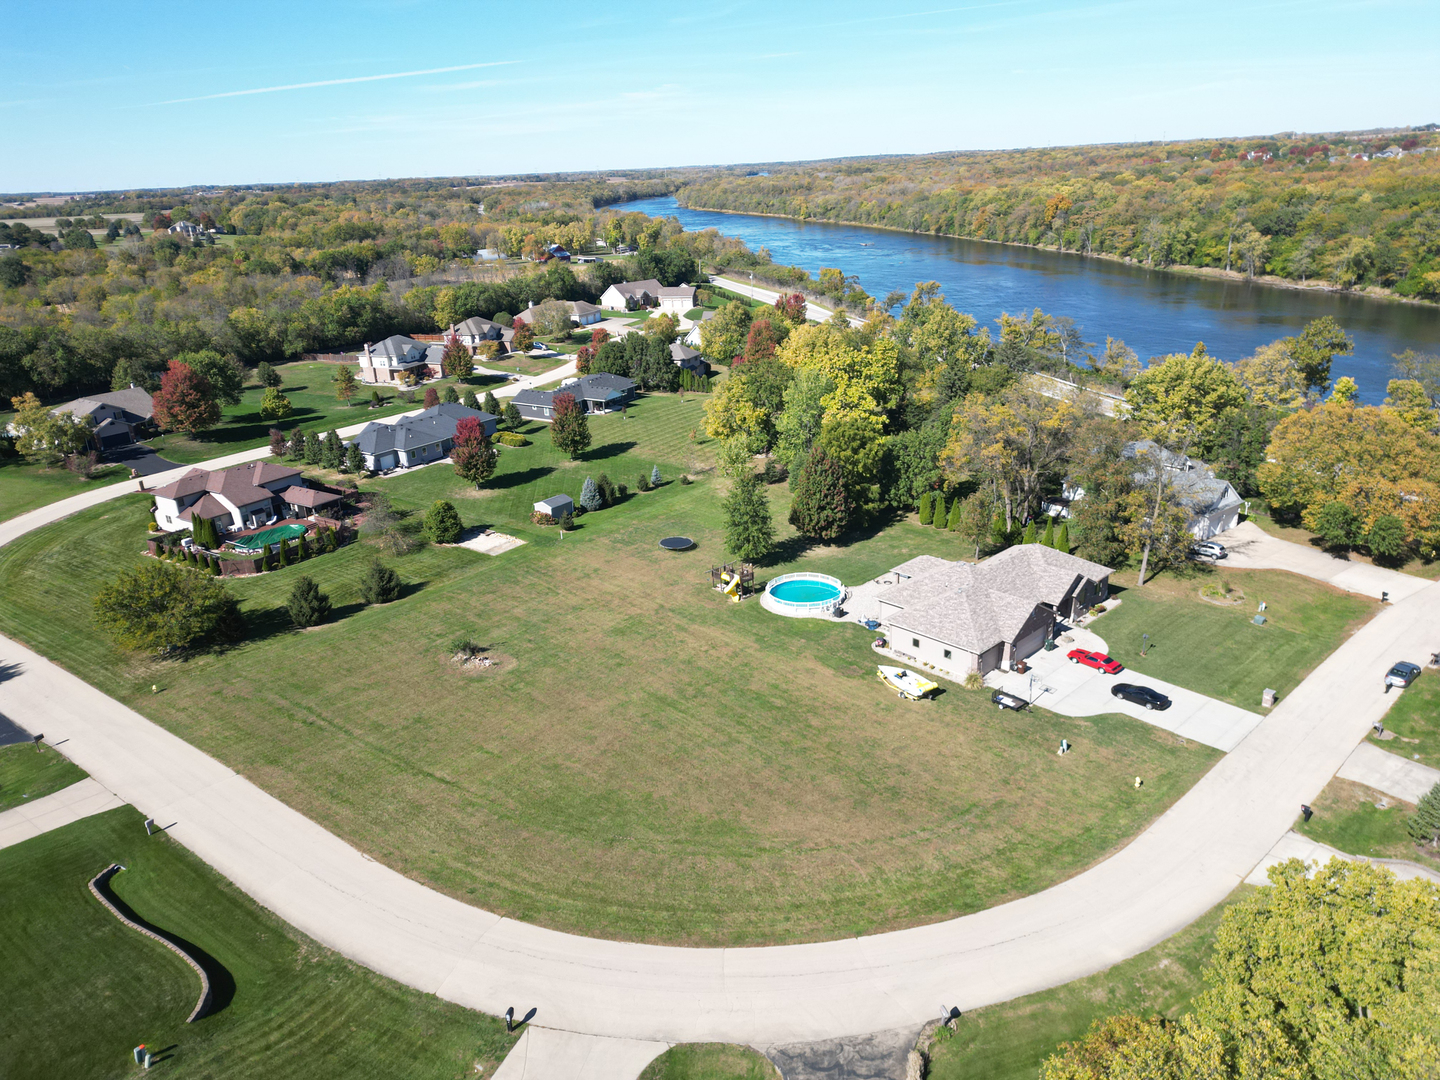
point(285, 1007)
point(657, 764)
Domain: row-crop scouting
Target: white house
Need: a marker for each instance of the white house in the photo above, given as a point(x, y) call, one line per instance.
point(961, 618)
point(245, 497)
point(677, 301)
point(1214, 504)
point(629, 295)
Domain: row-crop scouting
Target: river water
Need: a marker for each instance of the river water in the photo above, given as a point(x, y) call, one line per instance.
point(1153, 311)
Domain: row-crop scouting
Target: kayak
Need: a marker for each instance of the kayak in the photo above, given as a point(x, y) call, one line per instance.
point(906, 683)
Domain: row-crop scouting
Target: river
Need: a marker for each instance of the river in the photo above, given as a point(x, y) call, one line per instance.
point(1153, 311)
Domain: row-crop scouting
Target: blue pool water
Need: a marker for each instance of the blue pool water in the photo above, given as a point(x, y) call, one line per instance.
point(804, 592)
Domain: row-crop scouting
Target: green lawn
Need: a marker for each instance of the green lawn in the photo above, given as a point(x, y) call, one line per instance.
point(311, 392)
point(1217, 650)
point(710, 1061)
point(1349, 819)
point(80, 989)
point(24, 486)
point(1009, 1041)
point(1415, 719)
point(657, 763)
point(523, 364)
point(27, 774)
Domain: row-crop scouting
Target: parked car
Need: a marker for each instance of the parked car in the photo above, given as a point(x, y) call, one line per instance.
point(1009, 701)
point(1096, 660)
point(1140, 695)
point(1208, 550)
point(1401, 675)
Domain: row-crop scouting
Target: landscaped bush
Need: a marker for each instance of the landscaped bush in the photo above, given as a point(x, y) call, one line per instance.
point(685, 480)
point(158, 608)
point(539, 517)
point(308, 606)
point(927, 508)
point(643, 484)
point(509, 438)
point(380, 585)
point(442, 523)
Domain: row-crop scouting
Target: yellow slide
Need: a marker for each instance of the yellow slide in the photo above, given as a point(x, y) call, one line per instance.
point(732, 585)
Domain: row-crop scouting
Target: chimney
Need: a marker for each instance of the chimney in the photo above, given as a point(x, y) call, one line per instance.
point(532, 303)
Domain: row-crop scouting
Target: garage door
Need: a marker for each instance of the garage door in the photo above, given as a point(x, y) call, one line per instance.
point(1030, 643)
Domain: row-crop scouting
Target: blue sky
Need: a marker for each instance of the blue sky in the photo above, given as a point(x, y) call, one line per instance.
point(101, 95)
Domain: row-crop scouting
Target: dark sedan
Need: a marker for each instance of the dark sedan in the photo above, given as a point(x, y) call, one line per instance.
point(1140, 695)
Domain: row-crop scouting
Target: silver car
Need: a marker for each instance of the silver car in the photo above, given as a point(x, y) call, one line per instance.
point(1208, 549)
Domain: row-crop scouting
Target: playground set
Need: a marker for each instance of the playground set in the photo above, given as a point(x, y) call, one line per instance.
point(736, 582)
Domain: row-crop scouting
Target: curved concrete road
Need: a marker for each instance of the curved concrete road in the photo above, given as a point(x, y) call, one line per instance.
point(1187, 861)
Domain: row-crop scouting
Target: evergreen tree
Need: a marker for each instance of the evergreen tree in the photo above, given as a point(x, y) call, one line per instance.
point(332, 452)
point(491, 405)
point(952, 523)
point(749, 527)
point(927, 508)
point(1029, 537)
point(1424, 824)
point(655, 476)
point(1062, 541)
point(284, 554)
point(380, 585)
point(308, 606)
point(607, 490)
point(942, 512)
point(1049, 538)
point(345, 384)
point(313, 451)
point(470, 401)
point(999, 536)
point(513, 419)
point(274, 405)
point(214, 566)
point(590, 495)
point(442, 522)
point(569, 431)
point(354, 459)
point(451, 395)
point(821, 508)
point(267, 375)
point(301, 551)
point(297, 445)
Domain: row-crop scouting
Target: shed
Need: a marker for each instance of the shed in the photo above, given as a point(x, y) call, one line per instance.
point(557, 506)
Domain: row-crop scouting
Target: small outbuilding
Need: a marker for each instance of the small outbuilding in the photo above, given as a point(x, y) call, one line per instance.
point(557, 506)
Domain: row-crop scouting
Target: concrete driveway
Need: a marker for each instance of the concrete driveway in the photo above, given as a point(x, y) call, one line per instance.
point(1250, 547)
point(1072, 689)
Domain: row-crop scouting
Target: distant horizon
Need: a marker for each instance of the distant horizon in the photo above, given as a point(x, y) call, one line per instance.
point(160, 95)
point(540, 176)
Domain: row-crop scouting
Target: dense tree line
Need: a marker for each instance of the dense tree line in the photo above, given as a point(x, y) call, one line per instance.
point(1327, 207)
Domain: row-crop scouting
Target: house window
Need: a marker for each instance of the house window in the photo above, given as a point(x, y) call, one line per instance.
point(914, 642)
point(947, 654)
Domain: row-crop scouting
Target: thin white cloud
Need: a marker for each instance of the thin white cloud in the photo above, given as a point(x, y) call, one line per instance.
point(336, 82)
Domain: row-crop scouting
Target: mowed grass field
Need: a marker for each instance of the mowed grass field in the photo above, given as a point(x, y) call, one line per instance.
point(1217, 650)
point(27, 774)
point(24, 486)
point(658, 764)
point(80, 989)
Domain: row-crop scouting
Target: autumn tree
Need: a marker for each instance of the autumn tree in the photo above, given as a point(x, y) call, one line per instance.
point(764, 338)
point(524, 338)
point(791, 308)
point(45, 437)
point(185, 401)
point(569, 429)
point(432, 397)
point(1184, 392)
point(474, 458)
point(456, 361)
point(345, 384)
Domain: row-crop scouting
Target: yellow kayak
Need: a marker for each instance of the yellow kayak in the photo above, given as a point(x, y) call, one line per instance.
point(906, 683)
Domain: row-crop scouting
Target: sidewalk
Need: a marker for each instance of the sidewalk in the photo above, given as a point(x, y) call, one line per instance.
point(80, 800)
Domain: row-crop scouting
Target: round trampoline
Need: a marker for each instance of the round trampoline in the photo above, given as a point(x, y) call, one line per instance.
point(677, 543)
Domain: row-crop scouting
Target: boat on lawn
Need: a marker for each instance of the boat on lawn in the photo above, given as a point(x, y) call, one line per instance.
point(906, 683)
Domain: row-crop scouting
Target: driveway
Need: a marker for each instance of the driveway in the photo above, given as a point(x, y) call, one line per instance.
point(142, 459)
point(1071, 689)
point(1250, 547)
point(1394, 775)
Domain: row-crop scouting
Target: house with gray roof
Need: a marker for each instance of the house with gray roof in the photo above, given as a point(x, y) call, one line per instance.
point(117, 416)
point(600, 393)
point(475, 331)
point(418, 439)
point(1214, 504)
point(581, 313)
point(961, 617)
point(397, 358)
point(689, 359)
point(629, 295)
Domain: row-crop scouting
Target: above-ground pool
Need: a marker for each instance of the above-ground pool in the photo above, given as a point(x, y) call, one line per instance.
point(804, 594)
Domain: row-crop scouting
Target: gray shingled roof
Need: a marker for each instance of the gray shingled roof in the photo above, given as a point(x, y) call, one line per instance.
point(425, 428)
point(132, 399)
point(1198, 488)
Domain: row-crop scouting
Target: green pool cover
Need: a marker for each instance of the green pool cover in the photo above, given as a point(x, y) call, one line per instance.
point(270, 536)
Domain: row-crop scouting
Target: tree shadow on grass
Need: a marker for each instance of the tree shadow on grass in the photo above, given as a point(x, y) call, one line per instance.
point(519, 479)
point(222, 983)
point(609, 450)
point(786, 550)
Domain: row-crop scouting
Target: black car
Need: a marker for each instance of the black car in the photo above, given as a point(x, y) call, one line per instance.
point(1009, 701)
point(1140, 695)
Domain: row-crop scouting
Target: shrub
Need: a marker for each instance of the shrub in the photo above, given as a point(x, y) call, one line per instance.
point(927, 508)
point(643, 484)
point(607, 489)
point(953, 522)
point(284, 552)
point(380, 585)
point(685, 480)
point(621, 492)
point(157, 608)
point(539, 517)
point(1062, 541)
point(442, 522)
point(567, 522)
point(301, 551)
point(1386, 538)
point(974, 681)
point(451, 395)
point(308, 606)
point(1424, 824)
point(509, 438)
point(1337, 526)
point(154, 525)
